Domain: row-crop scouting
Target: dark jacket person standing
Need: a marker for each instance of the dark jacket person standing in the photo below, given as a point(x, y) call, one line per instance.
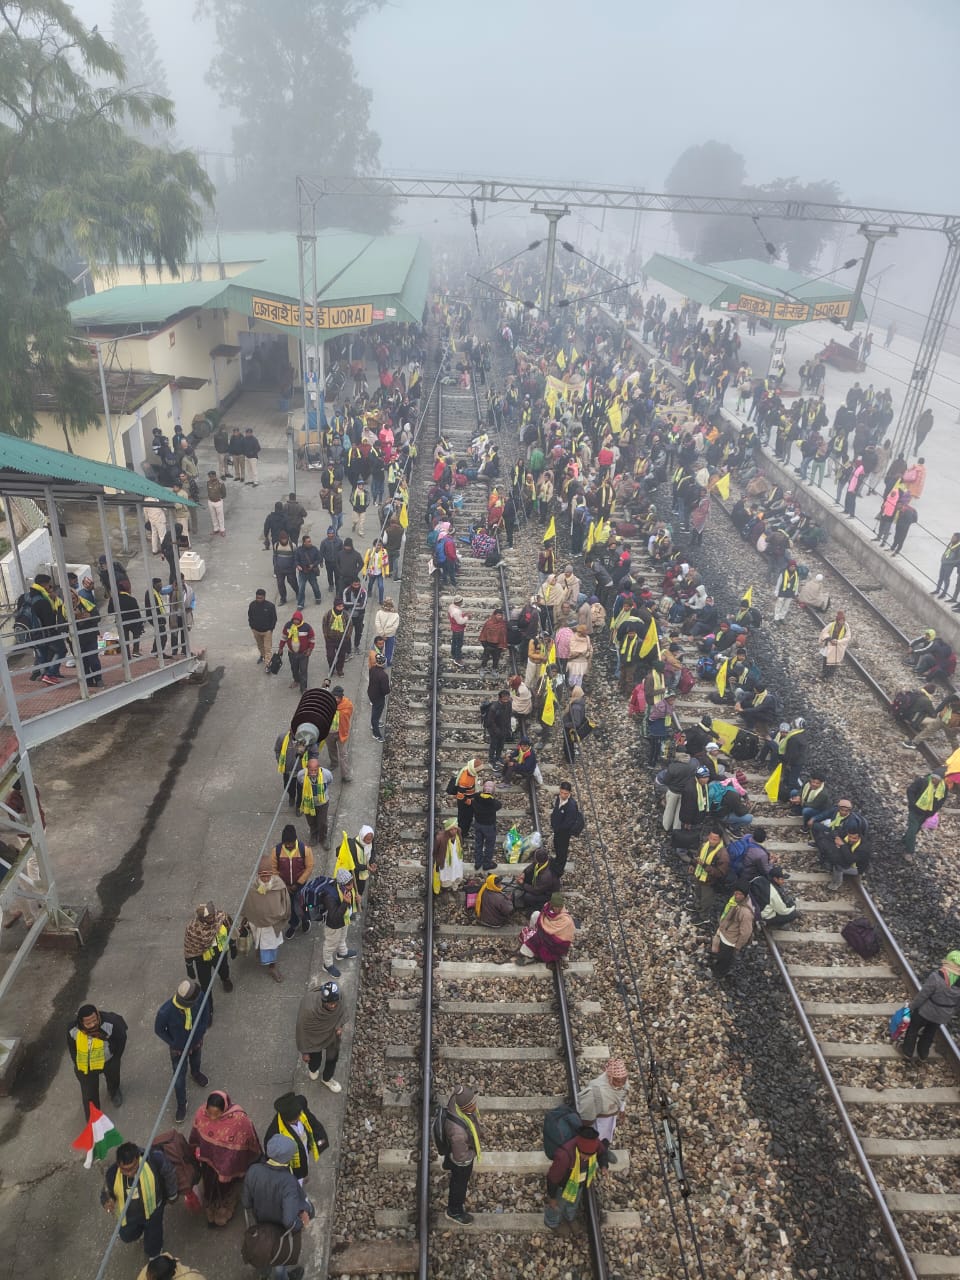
point(262, 620)
point(564, 818)
point(96, 1040)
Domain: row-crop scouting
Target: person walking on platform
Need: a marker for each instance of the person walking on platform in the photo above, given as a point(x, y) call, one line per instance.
point(216, 492)
point(933, 1006)
point(154, 1186)
point(205, 938)
point(173, 1024)
point(96, 1040)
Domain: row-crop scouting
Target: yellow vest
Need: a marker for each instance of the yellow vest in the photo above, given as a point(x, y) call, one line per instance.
point(91, 1053)
point(708, 853)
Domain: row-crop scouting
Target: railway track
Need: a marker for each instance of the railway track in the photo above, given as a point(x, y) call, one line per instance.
point(899, 1118)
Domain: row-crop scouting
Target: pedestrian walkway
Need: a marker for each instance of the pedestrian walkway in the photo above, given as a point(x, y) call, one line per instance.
point(150, 812)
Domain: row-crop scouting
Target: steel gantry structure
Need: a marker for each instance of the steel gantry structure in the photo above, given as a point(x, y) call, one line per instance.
point(556, 198)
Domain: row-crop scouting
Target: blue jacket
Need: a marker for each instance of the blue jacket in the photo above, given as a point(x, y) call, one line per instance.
point(170, 1024)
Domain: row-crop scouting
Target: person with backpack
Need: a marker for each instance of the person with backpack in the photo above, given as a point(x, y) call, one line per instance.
point(771, 898)
point(293, 863)
point(733, 933)
point(926, 795)
point(457, 1136)
point(571, 1172)
point(933, 1006)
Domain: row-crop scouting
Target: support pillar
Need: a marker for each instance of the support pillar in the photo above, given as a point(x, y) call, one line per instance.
point(871, 235)
point(934, 332)
point(552, 216)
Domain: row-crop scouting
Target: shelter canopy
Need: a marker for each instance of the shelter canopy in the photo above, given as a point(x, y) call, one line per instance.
point(754, 287)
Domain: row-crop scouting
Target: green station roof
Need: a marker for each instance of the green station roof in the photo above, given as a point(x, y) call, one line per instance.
point(362, 281)
point(759, 288)
point(54, 467)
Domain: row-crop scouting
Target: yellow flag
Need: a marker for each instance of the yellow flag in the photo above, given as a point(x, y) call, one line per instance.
point(953, 764)
point(602, 531)
point(591, 536)
point(747, 597)
point(403, 517)
point(548, 713)
point(650, 640)
point(552, 655)
point(615, 417)
point(722, 677)
point(345, 860)
point(550, 396)
point(725, 733)
point(561, 359)
point(722, 487)
point(574, 355)
point(772, 784)
point(551, 530)
point(612, 384)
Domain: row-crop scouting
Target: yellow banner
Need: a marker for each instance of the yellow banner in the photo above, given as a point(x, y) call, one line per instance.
point(564, 388)
point(756, 306)
point(288, 313)
point(792, 311)
point(824, 310)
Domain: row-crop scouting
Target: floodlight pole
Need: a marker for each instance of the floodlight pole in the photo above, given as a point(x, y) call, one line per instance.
point(871, 234)
point(552, 216)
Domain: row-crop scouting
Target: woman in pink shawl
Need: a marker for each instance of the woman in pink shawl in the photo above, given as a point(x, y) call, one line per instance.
point(226, 1144)
point(548, 935)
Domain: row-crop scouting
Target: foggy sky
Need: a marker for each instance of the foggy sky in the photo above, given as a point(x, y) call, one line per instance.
point(854, 90)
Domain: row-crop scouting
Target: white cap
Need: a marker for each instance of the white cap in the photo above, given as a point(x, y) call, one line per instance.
point(819, 577)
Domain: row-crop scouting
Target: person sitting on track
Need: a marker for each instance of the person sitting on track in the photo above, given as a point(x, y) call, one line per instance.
point(521, 763)
point(549, 935)
point(493, 907)
point(539, 882)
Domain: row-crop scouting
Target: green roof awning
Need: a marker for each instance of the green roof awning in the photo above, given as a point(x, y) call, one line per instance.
point(751, 286)
point(129, 304)
point(53, 466)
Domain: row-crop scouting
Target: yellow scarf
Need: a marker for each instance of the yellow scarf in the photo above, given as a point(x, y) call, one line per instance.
point(293, 636)
point(489, 883)
point(309, 801)
point(571, 1190)
point(148, 1191)
point(311, 1140)
point(187, 1012)
point(159, 599)
point(219, 942)
point(471, 1129)
point(931, 793)
point(91, 1053)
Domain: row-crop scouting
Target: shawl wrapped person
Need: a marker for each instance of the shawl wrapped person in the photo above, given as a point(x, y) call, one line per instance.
point(225, 1143)
point(448, 857)
point(549, 934)
point(266, 909)
point(316, 1025)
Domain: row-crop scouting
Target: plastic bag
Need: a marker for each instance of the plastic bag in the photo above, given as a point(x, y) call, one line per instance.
point(512, 843)
point(931, 823)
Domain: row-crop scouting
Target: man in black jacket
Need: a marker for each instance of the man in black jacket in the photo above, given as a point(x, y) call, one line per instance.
point(330, 549)
point(156, 1187)
point(49, 648)
point(296, 513)
point(308, 570)
point(349, 566)
point(96, 1040)
point(262, 619)
point(564, 819)
point(274, 525)
point(497, 724)
point(251, 452)
point(285, 566)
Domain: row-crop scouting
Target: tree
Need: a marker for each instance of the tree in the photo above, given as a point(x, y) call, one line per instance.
point(288, 71)
point(714, 168)
point(134, 39)
point(74, 184)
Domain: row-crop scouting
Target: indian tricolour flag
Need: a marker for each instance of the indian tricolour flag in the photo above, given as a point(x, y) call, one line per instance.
point(98, 1138)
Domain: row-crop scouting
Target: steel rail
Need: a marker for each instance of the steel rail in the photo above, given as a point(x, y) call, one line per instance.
point(426, 1012)
point(592, 1204)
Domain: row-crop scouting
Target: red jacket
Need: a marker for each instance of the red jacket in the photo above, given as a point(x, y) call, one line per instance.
point(306, 636)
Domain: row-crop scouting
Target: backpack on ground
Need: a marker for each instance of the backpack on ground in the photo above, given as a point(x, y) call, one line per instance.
point(745, 745)
point(707, 667)
point(25, 618)
point(686, 682)
point(559, 1125)
point(438, 1128)
point(862, 937)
